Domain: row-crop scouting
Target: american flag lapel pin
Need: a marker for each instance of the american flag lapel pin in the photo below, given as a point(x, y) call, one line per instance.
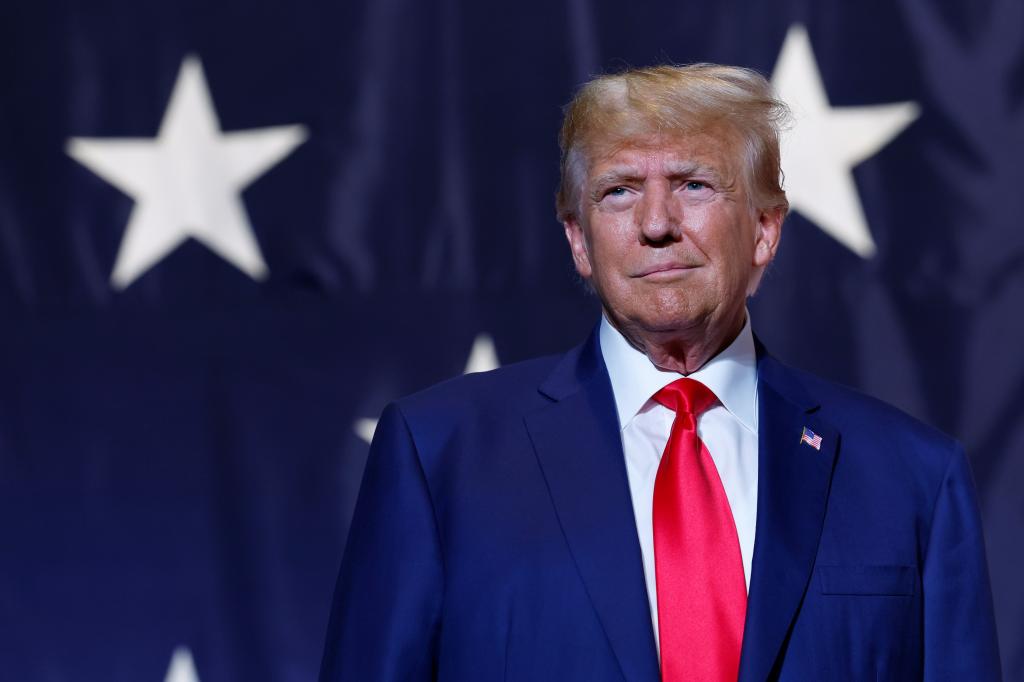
point(811, 438)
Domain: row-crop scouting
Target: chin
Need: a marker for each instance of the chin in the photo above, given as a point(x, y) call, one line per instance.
point(658, 310)
point(669, 310)
point(670, 321)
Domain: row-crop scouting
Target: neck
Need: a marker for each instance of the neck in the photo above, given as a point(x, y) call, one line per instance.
point(683, 351)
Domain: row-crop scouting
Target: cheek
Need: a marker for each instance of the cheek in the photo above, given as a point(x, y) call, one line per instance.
point(610, 237)
point(730, 243)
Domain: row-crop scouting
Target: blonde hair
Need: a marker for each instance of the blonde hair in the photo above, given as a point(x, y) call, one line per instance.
point(612, 110)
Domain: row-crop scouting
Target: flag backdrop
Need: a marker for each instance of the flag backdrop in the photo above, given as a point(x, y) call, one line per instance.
point(231, 232)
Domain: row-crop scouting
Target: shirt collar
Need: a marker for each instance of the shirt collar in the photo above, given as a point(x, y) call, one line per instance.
point(731, 375)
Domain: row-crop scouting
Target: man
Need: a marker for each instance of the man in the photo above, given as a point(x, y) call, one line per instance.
point(666, 500)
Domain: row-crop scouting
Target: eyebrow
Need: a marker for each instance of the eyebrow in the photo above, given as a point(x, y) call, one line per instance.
point(617, 176)
point(626, 174)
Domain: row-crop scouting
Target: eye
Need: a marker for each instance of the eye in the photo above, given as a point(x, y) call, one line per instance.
point(695, 185)
point(615, 197)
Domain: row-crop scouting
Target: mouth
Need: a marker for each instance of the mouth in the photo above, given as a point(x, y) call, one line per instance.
point(665, 271)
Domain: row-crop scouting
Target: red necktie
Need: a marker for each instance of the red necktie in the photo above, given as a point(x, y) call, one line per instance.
point(702, 595)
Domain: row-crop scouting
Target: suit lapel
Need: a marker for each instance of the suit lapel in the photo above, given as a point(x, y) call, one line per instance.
point(579, 447)
point(793, 486)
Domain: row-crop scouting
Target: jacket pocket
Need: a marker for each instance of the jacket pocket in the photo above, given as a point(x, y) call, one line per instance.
point(867, 580)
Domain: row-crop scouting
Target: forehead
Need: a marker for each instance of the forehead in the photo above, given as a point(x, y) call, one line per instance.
point(713, 151)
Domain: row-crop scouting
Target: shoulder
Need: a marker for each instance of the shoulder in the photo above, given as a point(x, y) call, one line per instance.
point(844, 406)
point(480, 400)
point(871, 431)
point(502, 387)
point(465, 420)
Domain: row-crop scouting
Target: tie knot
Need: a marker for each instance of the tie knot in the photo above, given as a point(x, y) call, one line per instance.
point(686, 395)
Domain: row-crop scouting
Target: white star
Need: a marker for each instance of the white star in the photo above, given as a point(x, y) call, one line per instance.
point(482, 358)
point(825, 144)
point(365, 428)
point(182, 668)
point(186, 181)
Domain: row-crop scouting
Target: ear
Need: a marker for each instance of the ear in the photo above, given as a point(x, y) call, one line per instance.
point(767, 235)
point(578, 245)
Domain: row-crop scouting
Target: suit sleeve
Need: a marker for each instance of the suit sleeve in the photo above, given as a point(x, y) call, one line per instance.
point(385, 618)
point(959, 626)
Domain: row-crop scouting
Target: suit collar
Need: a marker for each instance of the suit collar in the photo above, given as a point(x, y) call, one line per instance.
point(794, 480)
point(783, 379)
point(577, 369)
point(578, 445)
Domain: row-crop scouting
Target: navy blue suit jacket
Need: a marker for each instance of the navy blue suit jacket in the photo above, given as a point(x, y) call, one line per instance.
point(494, 539)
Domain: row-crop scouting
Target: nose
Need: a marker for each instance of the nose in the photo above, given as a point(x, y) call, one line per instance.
point(658, 219)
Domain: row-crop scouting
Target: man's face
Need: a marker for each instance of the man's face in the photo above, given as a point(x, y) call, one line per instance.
point(668, 237)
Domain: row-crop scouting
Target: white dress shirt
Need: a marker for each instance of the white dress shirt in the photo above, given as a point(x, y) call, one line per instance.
point(728, 430)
